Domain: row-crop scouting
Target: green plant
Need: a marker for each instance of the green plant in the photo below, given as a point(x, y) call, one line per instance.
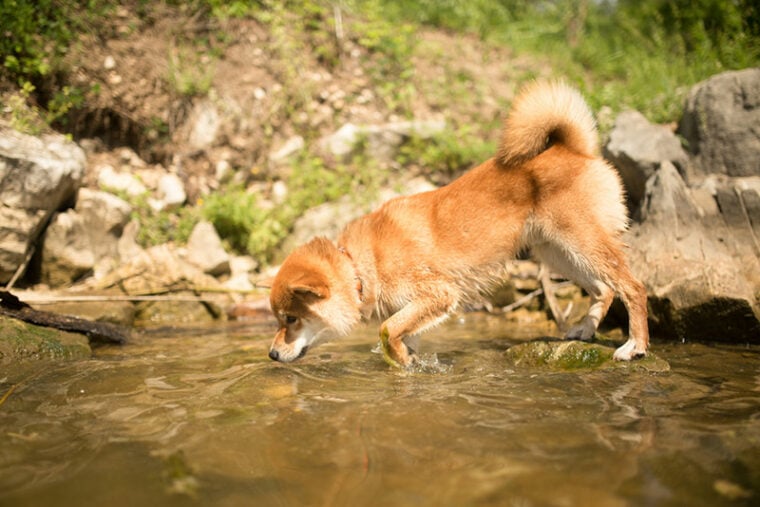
point(191, 71)
point(249, 227)
point(22, 116)
point(448, 152)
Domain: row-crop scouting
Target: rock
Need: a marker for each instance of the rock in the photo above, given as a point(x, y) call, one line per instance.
point(292, 146)
point(121, 313)
point(701, 273)
point(636, 148)
point(20, 341)
point(381, 141)
point(159, 270)
point(572, 355)
point(76, 240)
point(110, 179)
point(721, 123)
point(204, 125)
point(205, 250)
point(171, 193)
point(38, 175)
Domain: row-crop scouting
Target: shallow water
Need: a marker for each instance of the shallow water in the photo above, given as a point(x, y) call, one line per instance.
point(202, 416)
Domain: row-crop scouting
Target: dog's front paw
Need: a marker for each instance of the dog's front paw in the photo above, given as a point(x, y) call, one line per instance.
point(396, 353)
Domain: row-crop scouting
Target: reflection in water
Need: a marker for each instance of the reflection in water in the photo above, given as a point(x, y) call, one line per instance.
point(205, 416)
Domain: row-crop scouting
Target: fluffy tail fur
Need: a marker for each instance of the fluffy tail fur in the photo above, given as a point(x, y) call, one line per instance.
point(543, 114)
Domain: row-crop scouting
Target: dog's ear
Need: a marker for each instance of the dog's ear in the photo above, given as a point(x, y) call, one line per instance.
point(319, 291)
point(310, 286)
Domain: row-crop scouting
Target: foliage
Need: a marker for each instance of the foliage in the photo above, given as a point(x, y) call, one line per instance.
point(190, 71)
point(161, 226)
point(446, 153)
point(253, 227)
point(624, 53)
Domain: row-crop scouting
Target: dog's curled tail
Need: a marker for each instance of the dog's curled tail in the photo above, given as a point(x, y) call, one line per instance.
point(543, 114)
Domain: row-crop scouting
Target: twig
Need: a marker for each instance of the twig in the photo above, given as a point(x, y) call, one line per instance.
point(522, 301)
point(551, 299)
point(22, 267)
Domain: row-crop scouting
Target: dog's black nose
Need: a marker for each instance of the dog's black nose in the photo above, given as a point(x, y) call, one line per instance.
point(274, 355)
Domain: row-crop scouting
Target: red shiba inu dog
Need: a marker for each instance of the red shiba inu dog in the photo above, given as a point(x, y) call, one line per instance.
point(416, 259)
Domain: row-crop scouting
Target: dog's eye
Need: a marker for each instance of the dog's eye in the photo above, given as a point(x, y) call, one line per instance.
point(290, 319)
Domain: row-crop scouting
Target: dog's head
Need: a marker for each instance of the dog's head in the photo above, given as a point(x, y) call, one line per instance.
point(312, 299)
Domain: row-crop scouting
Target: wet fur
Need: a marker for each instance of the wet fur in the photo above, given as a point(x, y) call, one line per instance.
point(417, 259)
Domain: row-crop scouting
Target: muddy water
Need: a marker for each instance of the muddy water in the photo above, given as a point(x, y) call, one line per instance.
point(202, 417)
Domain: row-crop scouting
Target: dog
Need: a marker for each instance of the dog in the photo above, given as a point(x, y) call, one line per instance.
point(419, 258)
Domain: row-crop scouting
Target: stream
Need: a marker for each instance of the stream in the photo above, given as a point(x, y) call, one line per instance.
point(201, 416)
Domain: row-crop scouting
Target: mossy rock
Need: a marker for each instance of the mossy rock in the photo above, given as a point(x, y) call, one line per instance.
point(20, 341)
point(572, 355)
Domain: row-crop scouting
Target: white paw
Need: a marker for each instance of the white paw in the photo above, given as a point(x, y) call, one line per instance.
point(627, 351)
point(583, 331)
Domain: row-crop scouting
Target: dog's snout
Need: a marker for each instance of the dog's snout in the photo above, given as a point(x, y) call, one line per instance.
point(274, 355)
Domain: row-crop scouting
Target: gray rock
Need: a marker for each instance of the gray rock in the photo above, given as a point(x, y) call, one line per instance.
point(636, 148)
point(292, 146)
point(381, 141)
point(205, 250)
point(700, 272)
point(38, 175)
point(205, 123)
point(110, 179)
point(76, 240)
point(171, 193)
point(721, 123)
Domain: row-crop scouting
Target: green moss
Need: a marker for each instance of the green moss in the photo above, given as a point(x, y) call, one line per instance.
point(21, 341)
point(386, 349)
point(574, 356)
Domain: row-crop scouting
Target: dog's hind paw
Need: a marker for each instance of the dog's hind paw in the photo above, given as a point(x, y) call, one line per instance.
point(628, 351)
point(582, 332)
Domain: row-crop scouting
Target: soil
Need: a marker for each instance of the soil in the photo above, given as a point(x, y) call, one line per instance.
point(269, 87)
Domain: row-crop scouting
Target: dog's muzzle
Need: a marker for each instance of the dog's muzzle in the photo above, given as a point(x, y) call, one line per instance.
point(275, 355)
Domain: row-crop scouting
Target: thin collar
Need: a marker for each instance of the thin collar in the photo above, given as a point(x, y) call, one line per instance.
point(359, 284)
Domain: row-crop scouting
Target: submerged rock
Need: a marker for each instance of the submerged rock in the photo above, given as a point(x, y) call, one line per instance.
point(21, 341)
point(574, 355)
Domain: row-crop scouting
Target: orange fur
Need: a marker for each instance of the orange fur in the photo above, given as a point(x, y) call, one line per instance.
point(418, 258)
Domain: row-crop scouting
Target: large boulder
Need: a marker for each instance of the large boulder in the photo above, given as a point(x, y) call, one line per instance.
point(701, 274)
point(721, 123)
point(696, 240)
point(38, 175)
point(636, 148)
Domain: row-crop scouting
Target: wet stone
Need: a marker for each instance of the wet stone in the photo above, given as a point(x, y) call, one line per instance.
point(20, 341)
point(572, 355)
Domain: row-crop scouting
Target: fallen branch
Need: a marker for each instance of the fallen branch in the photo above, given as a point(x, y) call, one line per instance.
point(13, 307)
point(522, 301)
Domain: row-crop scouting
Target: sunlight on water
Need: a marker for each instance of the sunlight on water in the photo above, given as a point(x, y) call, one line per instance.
point(202, 415)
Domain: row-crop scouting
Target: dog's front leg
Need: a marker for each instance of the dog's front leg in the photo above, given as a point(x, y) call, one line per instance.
point(415, 317)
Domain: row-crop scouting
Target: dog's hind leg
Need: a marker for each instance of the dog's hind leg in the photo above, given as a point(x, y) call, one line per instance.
point(602, 271)
point(572, 267)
